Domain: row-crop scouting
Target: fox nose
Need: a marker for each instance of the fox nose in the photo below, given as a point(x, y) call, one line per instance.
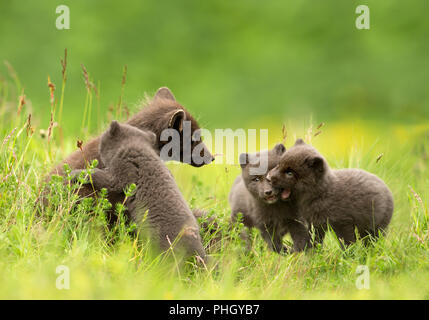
point(205, 154)
point(209, 159)
point(268, 192)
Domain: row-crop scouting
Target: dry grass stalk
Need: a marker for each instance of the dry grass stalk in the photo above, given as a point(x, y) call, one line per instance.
point(379, 158)
point(51, 87)
point(124, 79)
point(284, 134)
point(29, 129)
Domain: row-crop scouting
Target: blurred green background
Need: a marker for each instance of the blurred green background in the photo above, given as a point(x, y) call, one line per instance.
point(228, 62)
point(237, 64)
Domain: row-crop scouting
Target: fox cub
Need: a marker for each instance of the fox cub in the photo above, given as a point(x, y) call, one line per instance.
point(253, 196)
point(346, 199)
point(129, 156)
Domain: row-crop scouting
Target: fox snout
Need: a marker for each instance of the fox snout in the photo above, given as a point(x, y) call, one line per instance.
point(203, 158)
point(207, 156)
point(268, 192)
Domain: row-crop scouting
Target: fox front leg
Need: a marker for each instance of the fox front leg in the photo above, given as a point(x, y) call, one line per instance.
point(99, 179)
point(300, 236)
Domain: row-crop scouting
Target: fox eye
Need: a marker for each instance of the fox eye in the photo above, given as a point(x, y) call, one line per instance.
point(256, 179)
point(289, 173)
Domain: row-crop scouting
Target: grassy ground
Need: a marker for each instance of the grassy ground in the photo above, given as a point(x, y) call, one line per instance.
point(103, 264)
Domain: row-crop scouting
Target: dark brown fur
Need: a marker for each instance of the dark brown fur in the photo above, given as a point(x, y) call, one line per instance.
point(161, 113)
point(258, 201)
point(345, 199)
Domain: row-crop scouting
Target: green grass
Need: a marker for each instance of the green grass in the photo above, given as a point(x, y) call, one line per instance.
point(111, 264)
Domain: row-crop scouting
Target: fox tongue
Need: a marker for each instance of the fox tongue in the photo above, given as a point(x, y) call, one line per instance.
point(285, 194)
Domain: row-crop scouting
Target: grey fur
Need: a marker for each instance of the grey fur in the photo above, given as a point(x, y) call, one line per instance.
point(129, 156)
point(259, 204)
point(345, 199)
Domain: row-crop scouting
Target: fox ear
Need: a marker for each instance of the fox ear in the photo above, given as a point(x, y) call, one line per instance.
point(299, 142)
point(164, 93)
point(316, 163)
point(279, 148)
point(243, 160)
point(114, 128)
point(176, 120)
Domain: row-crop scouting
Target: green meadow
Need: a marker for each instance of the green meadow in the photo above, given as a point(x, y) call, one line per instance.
point(361, 97)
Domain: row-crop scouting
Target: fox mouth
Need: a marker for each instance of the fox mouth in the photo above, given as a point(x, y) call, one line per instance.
point(270, 199)
point(206, 161)
point(197, 165)
point(285, 194)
